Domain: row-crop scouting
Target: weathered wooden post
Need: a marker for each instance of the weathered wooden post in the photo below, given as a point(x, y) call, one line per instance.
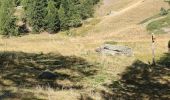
point(169, 46)
point(153, 49)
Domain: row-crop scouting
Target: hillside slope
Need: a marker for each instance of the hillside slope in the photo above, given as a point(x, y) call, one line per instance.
point(83, 73)
point(130, 16)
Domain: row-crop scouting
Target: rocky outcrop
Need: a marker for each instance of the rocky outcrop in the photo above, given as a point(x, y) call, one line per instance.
point(113, 50)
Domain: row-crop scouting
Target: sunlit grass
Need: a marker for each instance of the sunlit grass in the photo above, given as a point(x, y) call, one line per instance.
point(82, 42)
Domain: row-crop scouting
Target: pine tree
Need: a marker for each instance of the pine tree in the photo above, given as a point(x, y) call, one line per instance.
point(7, 18)
point(54, 15)
point(57, 2)
point(74, 15)
point(69, 15)
point(86, 9)
point(52, 18)
point(35, 11)
point(62, 18)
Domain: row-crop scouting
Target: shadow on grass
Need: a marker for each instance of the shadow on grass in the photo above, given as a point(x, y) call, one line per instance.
point(8, 95)
point(165, 60)
point(22, 69)
point(141, 81)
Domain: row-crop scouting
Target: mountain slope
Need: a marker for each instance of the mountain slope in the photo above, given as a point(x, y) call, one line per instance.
point(129, 16)
point(77, 53)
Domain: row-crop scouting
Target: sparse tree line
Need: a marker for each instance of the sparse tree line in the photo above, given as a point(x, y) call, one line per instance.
point(44, 15)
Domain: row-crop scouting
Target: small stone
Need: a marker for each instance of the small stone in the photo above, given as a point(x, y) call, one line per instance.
point(47, 75)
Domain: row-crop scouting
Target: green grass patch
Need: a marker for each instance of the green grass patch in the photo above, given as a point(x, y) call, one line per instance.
point(150, 18)
point(156, 26)
point(111, 42)
point(163, 12)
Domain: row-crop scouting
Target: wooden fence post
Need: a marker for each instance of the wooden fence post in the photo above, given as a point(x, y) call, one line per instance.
point(153, 49)
point(169, 46)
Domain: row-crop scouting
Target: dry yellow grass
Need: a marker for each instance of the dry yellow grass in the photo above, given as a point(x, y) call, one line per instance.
point(121, 27)
point(108, 6)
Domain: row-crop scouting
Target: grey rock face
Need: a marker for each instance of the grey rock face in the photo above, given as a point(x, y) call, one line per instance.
point(109, 49)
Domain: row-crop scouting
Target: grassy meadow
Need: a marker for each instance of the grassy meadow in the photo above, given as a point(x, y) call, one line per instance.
point(83, 74)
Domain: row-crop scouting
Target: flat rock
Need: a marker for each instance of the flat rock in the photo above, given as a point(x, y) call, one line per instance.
point(113, 50)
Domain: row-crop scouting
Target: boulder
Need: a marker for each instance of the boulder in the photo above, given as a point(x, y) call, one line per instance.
point(113, 50)
point(47, 75)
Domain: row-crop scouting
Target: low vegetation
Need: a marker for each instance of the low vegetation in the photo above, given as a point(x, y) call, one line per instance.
point(162, 24)
point(7, 19)
point(158, 25)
